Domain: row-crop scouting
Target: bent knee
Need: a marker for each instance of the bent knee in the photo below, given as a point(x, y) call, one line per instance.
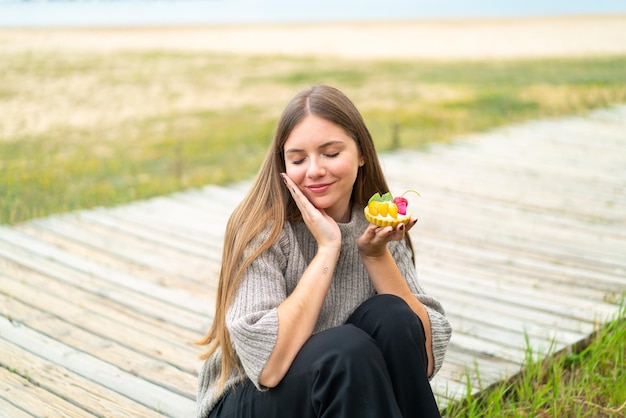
point(386, 317)
point(341, 345)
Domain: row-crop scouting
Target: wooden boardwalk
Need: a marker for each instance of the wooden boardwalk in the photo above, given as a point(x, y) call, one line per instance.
point(522, 236)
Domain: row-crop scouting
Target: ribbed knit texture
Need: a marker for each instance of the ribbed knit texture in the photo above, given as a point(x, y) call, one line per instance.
point(252, 319)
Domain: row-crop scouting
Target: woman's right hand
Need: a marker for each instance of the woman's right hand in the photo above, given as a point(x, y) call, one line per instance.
point(298, 313)
point(322, 226)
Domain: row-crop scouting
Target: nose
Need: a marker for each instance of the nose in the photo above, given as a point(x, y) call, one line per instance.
point(316, 168)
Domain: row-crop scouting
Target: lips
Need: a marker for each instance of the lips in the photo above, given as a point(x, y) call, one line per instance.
point(318, 188)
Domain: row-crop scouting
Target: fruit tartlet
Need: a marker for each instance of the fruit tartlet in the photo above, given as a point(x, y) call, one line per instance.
point(387, 210)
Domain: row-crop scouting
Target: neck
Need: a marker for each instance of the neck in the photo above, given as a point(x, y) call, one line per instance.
point(342, 216)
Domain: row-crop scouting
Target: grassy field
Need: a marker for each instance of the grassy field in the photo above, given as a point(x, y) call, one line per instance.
point(79, 130)
point(587, 381)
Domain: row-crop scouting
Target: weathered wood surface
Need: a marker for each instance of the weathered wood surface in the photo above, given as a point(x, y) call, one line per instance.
point(522, 235)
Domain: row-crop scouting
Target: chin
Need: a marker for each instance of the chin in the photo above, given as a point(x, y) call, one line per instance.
point(322, 205)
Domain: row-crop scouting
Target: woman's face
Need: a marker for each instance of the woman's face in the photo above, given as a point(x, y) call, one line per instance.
point(323, 161)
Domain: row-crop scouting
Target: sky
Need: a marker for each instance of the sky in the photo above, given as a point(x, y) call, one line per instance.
point(155, 12)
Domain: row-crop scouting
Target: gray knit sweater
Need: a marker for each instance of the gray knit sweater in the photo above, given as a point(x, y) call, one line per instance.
point(252, 319)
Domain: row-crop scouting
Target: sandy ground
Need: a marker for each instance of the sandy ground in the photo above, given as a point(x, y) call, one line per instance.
point(444, 39)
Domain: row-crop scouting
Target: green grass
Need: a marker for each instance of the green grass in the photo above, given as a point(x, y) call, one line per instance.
point(83, 130)
point(48, 176)
point(586, 381)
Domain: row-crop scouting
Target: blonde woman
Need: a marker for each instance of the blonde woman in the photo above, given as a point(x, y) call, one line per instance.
point(319, 313)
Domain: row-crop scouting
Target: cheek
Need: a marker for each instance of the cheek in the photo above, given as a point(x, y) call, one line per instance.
point(348, 169)
point(295, 172)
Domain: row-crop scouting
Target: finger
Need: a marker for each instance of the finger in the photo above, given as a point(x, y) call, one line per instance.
point(296, 193)
point(410, 224)
point(382, 235)
point(398, 233)
point(307, 209)
point(389, 233)
point(291, 186)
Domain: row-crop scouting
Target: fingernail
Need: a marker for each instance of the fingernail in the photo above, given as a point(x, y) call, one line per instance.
point(401, 227)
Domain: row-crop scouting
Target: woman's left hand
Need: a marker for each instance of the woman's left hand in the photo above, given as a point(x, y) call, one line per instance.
point(374, 240)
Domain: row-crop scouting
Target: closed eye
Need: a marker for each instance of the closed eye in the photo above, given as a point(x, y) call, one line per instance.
point(301, 160)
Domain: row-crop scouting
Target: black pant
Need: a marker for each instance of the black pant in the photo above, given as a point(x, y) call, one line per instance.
point(373, 366)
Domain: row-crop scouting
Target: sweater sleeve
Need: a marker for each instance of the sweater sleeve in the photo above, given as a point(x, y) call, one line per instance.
point(252, 319)
point(439, 324)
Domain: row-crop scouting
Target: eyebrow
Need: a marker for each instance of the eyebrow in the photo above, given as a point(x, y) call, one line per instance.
point(324, 145)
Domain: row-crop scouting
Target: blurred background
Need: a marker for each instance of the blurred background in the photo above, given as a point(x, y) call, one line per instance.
point(105, 102)
point(172, 12)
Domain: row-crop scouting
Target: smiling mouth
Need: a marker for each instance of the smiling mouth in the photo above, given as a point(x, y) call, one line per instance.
point(319, 188)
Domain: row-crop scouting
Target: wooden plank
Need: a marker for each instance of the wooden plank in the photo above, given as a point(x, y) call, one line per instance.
point(188, 244)
point(185, 268)
point(60, 384)
point(601, 252)
point(212, 199)
point(174, 296)
point(536, 299)
point(537, 284)
point(460, 205)
point(8, 408)
point(524, 152)
point(127, 345)
point(452, 214)
point(591, 278)
point(198, 239)
point(487, 325)
point(128, 307)
point(588, 210)
point(468, 363)
point(569, 305)
point(31, 400)
point(190, 221)
point(145, 393)
point(479, 181)
point(18, 263)
point(465, 371)
point(505, 264)
point(513, 317)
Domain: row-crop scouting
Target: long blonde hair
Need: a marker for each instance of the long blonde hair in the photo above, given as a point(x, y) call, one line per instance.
point(268, 203)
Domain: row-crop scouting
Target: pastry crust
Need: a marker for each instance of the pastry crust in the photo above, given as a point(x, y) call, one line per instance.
point(388, 220)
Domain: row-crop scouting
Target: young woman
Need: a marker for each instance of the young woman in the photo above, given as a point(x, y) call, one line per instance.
point(319, 313)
